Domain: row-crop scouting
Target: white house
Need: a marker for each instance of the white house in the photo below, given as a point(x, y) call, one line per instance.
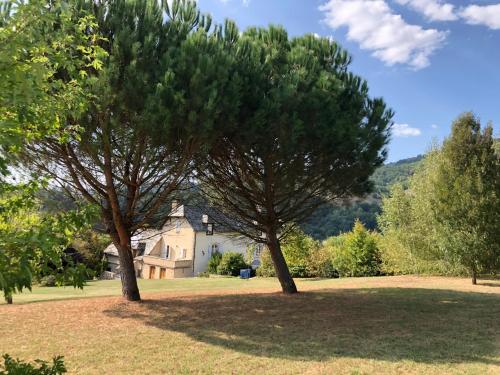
point(183, 246)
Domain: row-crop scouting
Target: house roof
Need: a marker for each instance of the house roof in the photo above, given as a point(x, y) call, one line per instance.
point(111, 250)
point(194, 215)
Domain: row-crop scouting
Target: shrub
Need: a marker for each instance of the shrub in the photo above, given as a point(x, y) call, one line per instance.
point(320, 264)
point(49, 281)
point(299, 270)
point(305, 257)
point(356, 253)
point(266, 268)
point(203, 274)
point(15, 366)
point(214, 262)
point(231, 264)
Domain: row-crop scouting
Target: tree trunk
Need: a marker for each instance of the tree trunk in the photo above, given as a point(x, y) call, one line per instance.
point(8, 299)
point(130, 290)
point(280, 266)
point(474, 277)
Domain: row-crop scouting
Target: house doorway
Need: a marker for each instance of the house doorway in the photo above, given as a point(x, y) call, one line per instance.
point(163, 273)
point(152, 271)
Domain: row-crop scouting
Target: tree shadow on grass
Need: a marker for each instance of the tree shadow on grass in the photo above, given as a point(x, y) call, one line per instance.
point(393, 324)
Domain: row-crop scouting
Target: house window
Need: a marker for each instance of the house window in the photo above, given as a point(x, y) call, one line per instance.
point(258, 250)
point(214, 248)
point(177, 226)
point(210, 229)
point(165, 252)
point(183, 254)
point(141, 248)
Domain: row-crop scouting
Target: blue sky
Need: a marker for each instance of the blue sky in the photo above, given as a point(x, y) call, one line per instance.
point(429, 59)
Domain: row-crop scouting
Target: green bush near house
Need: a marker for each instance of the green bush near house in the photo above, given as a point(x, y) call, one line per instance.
point(231, 264)
point(214, 262)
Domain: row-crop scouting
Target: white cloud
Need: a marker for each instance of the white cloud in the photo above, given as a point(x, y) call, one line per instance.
point(488, 15)
point(434, 126)
point(405, 130)
point(433, 10)
point(373, 25)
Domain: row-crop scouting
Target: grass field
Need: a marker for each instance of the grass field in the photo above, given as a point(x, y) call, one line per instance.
point(386, 325)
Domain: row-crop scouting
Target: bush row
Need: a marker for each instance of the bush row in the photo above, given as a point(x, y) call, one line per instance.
point(355, 253)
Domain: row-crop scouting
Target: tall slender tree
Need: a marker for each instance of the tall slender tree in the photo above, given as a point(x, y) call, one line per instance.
point(304, 130)
point(466, 199)
point(448, 219)
point(159, 90)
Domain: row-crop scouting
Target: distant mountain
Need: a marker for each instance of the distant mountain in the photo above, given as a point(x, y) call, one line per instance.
point(331, 220)
point(391, 173)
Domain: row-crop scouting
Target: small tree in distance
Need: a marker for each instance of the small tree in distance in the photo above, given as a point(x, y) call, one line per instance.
point(304, 130)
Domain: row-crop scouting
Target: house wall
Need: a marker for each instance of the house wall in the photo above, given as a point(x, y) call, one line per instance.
point(173, 269)
point(178, 235)
point(226, 242)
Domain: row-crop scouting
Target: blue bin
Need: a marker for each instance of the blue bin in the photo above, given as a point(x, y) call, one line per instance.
point(245, 273)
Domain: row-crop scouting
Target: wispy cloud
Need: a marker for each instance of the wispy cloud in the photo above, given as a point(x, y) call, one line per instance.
point(373, 25)
point(405, 130)
point(433, 10)
point(487, 15)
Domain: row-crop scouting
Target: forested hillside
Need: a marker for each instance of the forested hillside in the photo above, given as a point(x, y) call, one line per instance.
point(331, 220)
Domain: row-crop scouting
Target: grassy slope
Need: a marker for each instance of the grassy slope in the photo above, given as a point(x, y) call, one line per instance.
point(229, 326)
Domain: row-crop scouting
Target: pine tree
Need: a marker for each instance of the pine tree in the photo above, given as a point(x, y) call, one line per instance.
point(304, 130)
point(159, 89)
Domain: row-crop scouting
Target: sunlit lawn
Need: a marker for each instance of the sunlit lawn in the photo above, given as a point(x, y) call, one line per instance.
point(398, 325)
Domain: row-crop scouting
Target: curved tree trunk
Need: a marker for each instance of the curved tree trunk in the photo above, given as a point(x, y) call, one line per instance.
point(130, 289)
point(280, 266)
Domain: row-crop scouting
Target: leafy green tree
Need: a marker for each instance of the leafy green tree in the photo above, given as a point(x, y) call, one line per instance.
point(32, 244)
point(46, 50)
point(304, 129)
point(467, 196)
point(447, 221)
point(161, 87)
point(356, 253)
